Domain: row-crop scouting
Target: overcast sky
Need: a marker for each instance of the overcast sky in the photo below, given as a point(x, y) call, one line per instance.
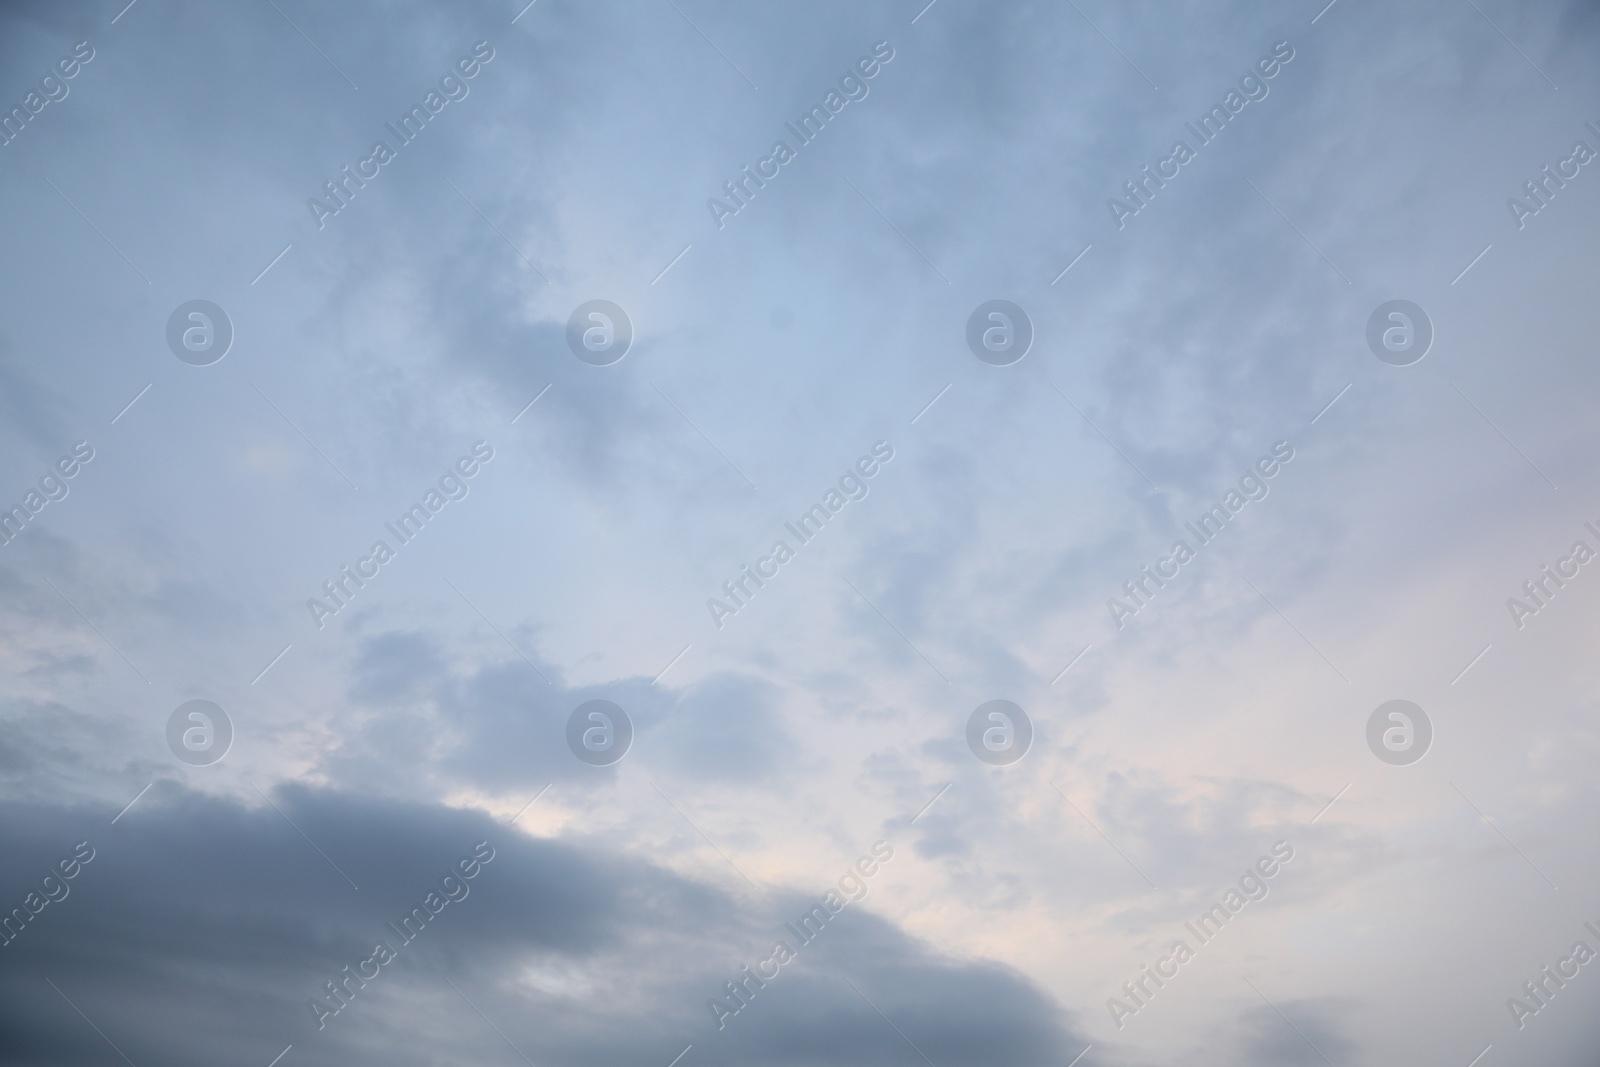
point(225, 380)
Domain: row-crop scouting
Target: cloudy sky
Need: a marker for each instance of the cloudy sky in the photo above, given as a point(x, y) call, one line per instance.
point(1339, 323)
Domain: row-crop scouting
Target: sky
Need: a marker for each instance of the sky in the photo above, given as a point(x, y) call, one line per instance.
point(647, 533)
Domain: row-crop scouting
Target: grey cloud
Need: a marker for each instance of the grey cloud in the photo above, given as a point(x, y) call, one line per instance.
point(1300, 1031)
point(505, 724)
point(730, 728)
point(200, 930)
point(393, 666)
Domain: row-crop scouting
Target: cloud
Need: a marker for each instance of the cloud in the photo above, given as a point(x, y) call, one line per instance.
point(202, 929)
point(822, 318)
point(1296, 1032)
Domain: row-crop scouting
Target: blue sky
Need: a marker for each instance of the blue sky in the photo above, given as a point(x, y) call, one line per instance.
point(372, 353)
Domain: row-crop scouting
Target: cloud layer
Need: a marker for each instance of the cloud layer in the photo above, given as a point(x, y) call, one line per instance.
point(984, 158)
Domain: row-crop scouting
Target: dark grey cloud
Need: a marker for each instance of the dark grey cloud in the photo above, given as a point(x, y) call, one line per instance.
point(200, 930)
